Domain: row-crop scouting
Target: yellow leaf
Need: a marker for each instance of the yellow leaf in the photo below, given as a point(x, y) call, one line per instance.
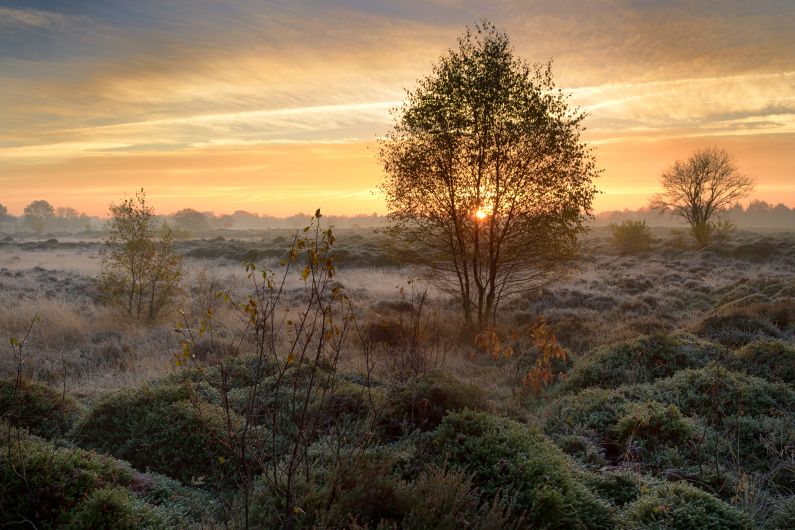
point(221, 460)
point(305, 274)
point(290, 359)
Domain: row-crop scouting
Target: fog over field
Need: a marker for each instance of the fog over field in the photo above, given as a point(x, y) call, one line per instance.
point(549, 280)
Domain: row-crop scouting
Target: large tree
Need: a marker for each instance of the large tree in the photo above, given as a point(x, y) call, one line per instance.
point(701, 187)
point(487, 177)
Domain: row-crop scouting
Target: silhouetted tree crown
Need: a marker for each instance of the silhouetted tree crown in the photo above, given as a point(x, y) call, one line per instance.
point(701, 187)
point(486, 174)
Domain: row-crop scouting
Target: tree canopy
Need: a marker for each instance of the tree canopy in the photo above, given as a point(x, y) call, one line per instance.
point(486, 175)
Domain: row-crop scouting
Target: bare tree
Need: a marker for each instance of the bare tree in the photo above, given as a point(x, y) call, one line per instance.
point(701, 187)
point(487, 178)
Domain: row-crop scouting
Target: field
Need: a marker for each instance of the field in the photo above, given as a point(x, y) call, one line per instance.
point(669, 403)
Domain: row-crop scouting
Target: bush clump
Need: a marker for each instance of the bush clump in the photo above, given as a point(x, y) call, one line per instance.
point(423, 402)
point(166, 428)
point(38, 408)
point(640, 360)
point(645, 428)
point(783, 517)
point(736, 327)
point(773, 360)
point(519, 464)
point(54, 487)
point(682, 506)
point(630, 237)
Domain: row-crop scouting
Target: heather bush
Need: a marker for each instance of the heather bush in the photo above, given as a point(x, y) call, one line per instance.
point(735, 327)
point(783, 517)
point(680, 506)
point(630, 237)
point(773, 360)
point(166, 428)
point(57, 487)
point(522, 466)
point(640, 360)
point(36, 407)
point(646, 428)
point(423, 402)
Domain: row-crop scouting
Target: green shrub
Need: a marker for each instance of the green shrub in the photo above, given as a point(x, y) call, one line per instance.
point(682, 506)
point(773, 360)
point(696, 392)
point(519, 464)
point(630, 237)
point(736, 327)
point(783, 517)
point(114, 507)
point(56, 487)
point(423, 402)
point(619, 487)
point(37, 407)
point(166, 428)
point(651, 425)
point(640, 360)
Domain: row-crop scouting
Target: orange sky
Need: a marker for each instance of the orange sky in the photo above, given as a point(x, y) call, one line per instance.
point(275, 107)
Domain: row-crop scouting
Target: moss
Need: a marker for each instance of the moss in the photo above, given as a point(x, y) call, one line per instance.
point(520, 464)
point(640, 360)
point(38, 408)
point(166, 428)
point(423, 402)
point(682, 506)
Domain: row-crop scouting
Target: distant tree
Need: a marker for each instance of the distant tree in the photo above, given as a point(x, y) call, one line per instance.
point(38, 214)
point(190, 220)
point(141, 272)
point(701, 187)
point(487, 178)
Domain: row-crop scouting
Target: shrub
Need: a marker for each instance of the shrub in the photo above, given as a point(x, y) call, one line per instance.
point(630, 237)
point(651, 425)
point(423, 402)
point(54, 487)
point(682, 506)
point(141, 272)
point(36, 407)
point(783, 517)
point(114, 507)
point(619, 487)
point(735, 327)
point(773, 360)
point(161, 427)
point(640, 360)
point(521, 465)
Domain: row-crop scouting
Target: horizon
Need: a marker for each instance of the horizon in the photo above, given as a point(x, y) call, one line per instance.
point(276, 109)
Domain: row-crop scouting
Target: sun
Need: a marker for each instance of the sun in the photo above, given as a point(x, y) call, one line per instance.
point(481, 214)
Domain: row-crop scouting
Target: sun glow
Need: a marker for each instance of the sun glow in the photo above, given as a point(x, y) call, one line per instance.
point(481, 214)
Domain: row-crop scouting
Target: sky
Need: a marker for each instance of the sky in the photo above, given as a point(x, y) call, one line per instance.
point(275, 107)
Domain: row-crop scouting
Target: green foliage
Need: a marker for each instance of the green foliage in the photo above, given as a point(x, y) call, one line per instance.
point(140, 271)
point(114, 507)
point(423, 402)
point(735, 327)
point(783, 517)
point(682, 506)
point(651, 425)
point(56, 487)
point(166, 428)
point(773, 360)
point(641, 360)
point(36, 407)
point(519, 464)
point(619, 487)
point(630, 237)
